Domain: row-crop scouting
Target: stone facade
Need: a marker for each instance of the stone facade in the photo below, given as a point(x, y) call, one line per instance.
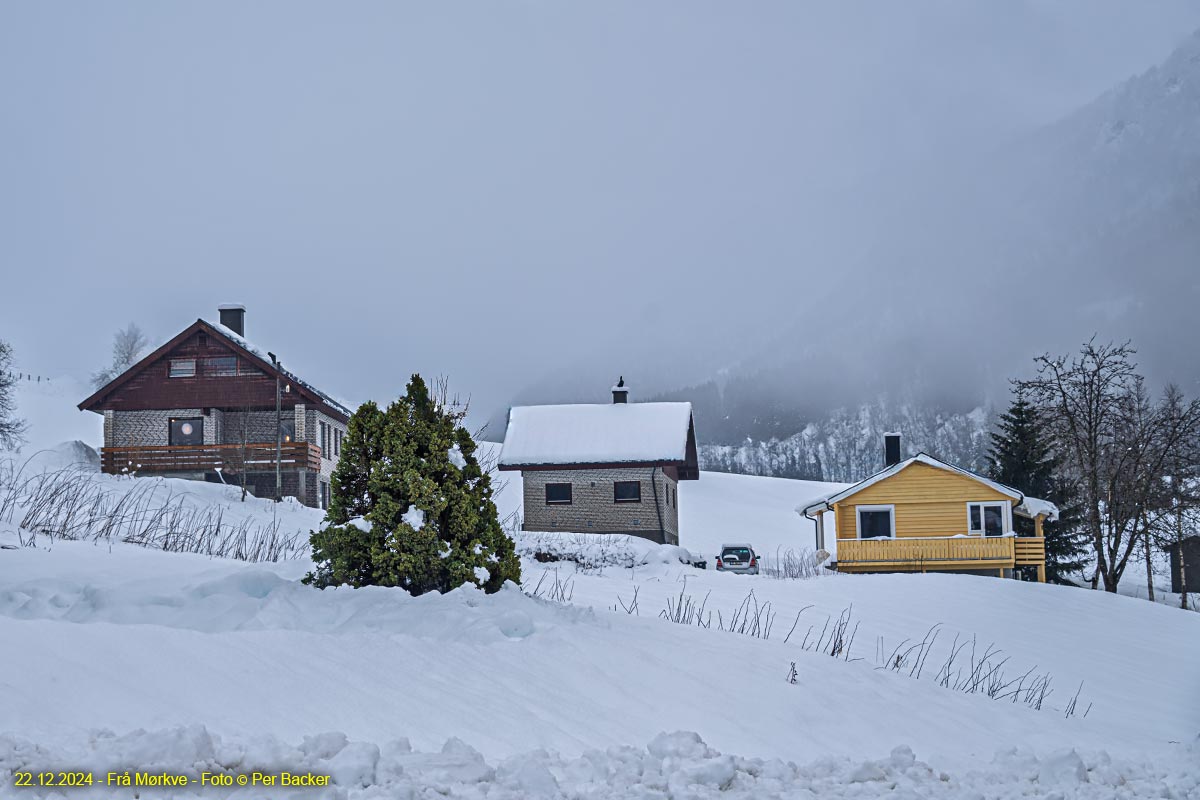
point(256, 426)
point(151, 429)
point(593, 509)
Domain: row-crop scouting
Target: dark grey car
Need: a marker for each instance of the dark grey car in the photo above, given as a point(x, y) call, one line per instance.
point(739, 558)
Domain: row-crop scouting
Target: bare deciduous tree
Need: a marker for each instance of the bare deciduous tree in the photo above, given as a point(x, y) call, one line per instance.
point(1119, 444)
point(1179, 508)
point(128, 345)
point(1082, 397)
point(12, 429)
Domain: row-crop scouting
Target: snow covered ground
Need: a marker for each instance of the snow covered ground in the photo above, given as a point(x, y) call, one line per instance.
point(120, 657)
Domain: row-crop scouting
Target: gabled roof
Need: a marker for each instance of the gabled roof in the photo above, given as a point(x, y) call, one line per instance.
point(245, 344)
point(600, 434)
point(252, 354)
point(1025, 506)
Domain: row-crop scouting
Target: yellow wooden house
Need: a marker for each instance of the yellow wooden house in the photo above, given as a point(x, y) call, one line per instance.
point(922, 515)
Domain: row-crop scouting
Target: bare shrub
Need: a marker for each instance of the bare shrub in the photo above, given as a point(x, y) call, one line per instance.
point(791, 564)
point(632, 607)
point(558, 590)
point(968, 669)
point(685, 610)
point(71, 505)
point(750, 618)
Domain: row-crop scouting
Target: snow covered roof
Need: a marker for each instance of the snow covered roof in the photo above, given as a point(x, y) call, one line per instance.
point(1034, 507)
point(1025, 506)
point(599, 434)
point(247, 345)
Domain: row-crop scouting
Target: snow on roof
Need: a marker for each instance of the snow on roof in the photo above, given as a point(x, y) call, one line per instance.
point(231, 307)
point(600, 433)
point(1034, 507)
point(264, 354)
point(823, 502)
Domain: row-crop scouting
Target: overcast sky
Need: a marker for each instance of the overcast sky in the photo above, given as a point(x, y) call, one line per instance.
point(507, 193)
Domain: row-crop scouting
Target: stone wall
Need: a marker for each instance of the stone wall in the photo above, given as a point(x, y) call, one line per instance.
point(593, 509)
point(310, 429)
point(259, 426)
point(151, 428)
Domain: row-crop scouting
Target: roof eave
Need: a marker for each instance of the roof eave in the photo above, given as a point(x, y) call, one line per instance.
point(548, 465)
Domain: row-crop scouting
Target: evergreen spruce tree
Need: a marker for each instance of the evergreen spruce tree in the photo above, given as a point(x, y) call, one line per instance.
point(1022, 456)
point(428, 522)
point(351, 479)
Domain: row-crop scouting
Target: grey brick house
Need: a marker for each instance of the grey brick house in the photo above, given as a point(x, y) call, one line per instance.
point(209, 405)
point(603, 468)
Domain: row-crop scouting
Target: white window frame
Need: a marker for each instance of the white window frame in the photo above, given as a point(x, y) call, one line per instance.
point(891, 509)
point(1005, 516)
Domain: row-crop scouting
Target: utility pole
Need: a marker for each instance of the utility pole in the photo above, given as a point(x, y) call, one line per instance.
point(278, 430)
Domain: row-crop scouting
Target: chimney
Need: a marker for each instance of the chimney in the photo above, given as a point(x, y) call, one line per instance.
point(233, 316)
point(891, 449)
point(620, 391)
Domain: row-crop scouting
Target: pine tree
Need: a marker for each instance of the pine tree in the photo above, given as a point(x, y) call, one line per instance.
point(428, 520)
point(1022, 456)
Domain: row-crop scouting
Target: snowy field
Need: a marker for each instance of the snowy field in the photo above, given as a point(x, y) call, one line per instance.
point(122, 657)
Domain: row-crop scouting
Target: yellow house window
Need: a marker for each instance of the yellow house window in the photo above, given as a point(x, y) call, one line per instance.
point(987, 519)
point(876, 522)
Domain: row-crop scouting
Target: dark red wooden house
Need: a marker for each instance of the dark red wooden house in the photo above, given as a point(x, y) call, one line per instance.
point(209, 405)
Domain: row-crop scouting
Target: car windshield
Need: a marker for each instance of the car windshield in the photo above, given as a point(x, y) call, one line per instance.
point(740, 553)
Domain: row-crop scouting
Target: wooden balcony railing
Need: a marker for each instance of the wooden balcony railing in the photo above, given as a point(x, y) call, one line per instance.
point(929, 552)
point(231, 458)
point(1030, 550)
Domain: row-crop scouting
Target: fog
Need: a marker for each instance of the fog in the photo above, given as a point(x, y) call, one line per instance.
point(534, 197)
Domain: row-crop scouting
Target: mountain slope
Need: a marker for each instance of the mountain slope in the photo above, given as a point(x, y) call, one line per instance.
point(971, 268)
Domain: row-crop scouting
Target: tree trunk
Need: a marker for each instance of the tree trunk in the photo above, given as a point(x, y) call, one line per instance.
point(1182, 579)
point(1179, 541)
point(1097, 538)
point(1110, 582)
point(1149, 569)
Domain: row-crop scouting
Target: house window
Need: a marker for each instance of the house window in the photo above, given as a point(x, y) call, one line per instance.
point(220, 367)
point(287, 430)
point(876, 522)
point(627, 492)
point(324, 498)
point(186, 431)
point(987, 519)
point(182, 368)
point(337, 443)
point(558, 494)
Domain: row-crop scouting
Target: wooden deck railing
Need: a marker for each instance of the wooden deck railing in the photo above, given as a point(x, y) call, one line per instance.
point(231, 458)
point(1030, 550)
point(926, 551)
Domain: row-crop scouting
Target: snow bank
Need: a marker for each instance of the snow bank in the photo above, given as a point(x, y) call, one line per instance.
point(597, 550)
point(677, 765)
point(58, 494)
point(124, 637)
